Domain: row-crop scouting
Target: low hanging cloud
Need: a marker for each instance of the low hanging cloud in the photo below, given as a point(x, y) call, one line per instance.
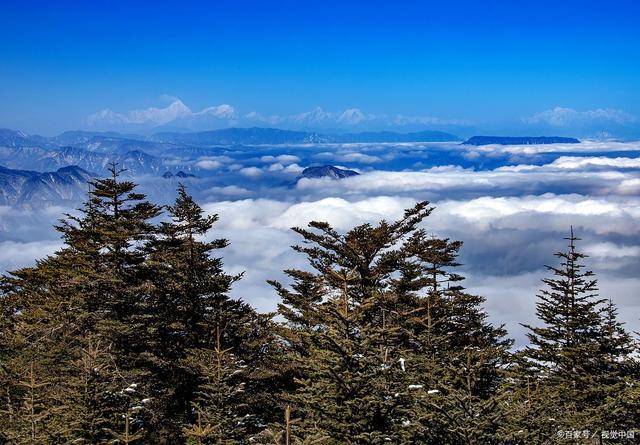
point(586, 146)
point(282, 159)
point(175, 111)
point(208, 164)
point(436, 183)
point(565, 117)
point(177, 114)
point(507, 243)
point(14, 254)
point(578, 163)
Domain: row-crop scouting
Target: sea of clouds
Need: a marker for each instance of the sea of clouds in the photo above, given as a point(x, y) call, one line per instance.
point(511, 205)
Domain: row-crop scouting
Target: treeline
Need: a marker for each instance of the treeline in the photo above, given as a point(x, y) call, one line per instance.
point(128, 335)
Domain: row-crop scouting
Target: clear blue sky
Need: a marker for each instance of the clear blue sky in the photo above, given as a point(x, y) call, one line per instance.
point(478, 60)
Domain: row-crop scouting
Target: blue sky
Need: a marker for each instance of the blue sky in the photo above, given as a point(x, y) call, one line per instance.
point(490, 64)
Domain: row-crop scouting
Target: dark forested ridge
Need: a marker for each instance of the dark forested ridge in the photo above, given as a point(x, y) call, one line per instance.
point(128, 335)
point(519, 140)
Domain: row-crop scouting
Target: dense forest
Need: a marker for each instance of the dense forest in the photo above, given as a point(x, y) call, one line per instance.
point(128, 335)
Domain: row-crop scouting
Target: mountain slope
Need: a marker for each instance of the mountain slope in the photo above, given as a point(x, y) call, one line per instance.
point(257, 135)
point(15, 139)
point(25, 187)
point(241, 136)
point(46, 159)
point(326, 171)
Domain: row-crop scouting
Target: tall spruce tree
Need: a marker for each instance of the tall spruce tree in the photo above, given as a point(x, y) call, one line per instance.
point(369, 344)
point(82, 307)
point(184, 282)
point(576, 374)
point(457, 355)
point(209, 352)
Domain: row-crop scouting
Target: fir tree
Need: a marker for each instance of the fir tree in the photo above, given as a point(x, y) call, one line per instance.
point(88, 293)
point(369, 345)
point(566, 343)
point(457, 355)
point(210, 352)
point(575, 374)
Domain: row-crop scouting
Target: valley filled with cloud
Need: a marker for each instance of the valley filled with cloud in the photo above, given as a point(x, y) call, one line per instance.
point(512, 205)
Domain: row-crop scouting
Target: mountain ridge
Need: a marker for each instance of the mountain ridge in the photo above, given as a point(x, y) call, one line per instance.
point(519, 140)
point(227, 136)
point(263, 135)
point(31, 188)
point(326, 171)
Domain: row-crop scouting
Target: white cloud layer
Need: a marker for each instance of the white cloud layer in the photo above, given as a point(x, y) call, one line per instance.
point(585, 146)
point(564, 117)
point(175, 111)
point(521, 231)
point(579, 163)
point(180, 115)
point(435, 182)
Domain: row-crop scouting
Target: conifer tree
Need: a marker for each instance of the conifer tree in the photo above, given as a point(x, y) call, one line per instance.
point(369, 345)
point(575, 374)
point(88, 293)
point(344, 332)
point(209, 351)
point(457, 354)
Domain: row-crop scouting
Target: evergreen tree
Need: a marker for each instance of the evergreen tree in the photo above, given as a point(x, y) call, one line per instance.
point(87, 294)
point(576, 374)
point(210, 353)
point(369, 346)
point(457, 354)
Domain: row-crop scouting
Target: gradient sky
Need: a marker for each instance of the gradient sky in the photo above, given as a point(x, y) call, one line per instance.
point(485, 61)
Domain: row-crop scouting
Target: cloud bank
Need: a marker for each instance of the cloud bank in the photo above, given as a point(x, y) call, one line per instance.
point(179, 116)
point(507, 243)
point(562, 117)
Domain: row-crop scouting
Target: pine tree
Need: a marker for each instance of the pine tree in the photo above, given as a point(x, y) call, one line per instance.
point(210, 352)
point(575, 374)
point(457, 354)
point(114, 227)
point(369, 346)
point(343, 330)
point(615, 385)
point(569, 310)
point(88, 293)
point(184, 282)
point(45, 325)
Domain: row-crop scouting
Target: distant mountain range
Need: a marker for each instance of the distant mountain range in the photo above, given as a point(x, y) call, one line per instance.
point(90, 151)
point(54, 170)
point(519, 140)
point(240, 136)
point(257, 136)
point(228, 136)
point(161, 152)
point(24, 187)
